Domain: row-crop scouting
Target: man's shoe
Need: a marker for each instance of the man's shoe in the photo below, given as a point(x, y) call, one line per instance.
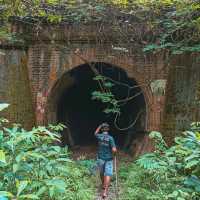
point(105, 193)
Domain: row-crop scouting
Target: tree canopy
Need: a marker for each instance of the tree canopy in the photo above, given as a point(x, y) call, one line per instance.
point(172, 24)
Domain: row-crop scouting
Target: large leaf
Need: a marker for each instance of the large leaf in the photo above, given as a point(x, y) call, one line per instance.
point(41, 190)
point(22, 185)
point(35, 155)
point(29, 196)
point(3, 106)
point(6, 194)
point(56, 148)
point(193, 181)
point(194, 155)
point(2, 156)
point(56, 183)
point(192, 164)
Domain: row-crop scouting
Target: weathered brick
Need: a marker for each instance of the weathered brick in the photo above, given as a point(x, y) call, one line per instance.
point(29, 80)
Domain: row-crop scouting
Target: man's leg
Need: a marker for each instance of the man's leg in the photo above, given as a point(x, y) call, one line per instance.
point(107, 176)
point(101, 170)
point(106, 185)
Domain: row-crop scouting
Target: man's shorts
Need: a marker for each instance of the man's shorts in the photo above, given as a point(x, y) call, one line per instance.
point(105, 167)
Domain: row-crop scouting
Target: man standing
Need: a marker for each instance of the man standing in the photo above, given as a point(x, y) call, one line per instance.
point(106, 150)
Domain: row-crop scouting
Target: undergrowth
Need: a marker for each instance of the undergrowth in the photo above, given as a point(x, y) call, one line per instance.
point(169, 173)
point(32, 166)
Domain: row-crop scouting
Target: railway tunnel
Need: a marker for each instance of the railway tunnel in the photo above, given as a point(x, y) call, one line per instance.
point(72, 98)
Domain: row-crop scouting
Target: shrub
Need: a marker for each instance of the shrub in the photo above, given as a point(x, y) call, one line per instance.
point(168, 173)
point(33, 167)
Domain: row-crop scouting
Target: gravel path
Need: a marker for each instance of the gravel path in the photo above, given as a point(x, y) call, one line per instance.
point(89, 152)
point(111, 193)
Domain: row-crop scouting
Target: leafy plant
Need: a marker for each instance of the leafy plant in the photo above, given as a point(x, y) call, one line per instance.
point(106, 96)
point(170, 173)
point(32, 166)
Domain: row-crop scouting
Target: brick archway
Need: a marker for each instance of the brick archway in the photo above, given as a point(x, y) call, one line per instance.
point(53, 56)
point(140, 70)
point(52, 95)
point(66, 81)
point(91, 55)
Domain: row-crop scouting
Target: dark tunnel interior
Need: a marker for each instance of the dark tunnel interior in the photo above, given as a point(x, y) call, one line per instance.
point(82, 114)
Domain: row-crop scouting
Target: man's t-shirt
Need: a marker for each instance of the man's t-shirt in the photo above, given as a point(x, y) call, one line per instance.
point(105, 145)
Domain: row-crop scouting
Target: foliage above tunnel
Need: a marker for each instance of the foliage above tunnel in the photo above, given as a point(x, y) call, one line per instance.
point(156, 24)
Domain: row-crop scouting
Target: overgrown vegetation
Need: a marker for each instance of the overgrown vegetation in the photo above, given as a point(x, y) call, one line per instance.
point(165, 24)
point(169, 173)
point(106, 95)
point(32, 166)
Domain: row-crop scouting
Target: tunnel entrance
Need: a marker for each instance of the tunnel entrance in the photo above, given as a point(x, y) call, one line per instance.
point(82, 115)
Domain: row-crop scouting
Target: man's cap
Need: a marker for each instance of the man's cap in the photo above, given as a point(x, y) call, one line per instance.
point(105, 125)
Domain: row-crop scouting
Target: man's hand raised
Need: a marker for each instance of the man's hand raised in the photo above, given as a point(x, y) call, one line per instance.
point(98, 129)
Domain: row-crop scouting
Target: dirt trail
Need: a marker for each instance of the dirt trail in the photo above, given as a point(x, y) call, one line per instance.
point(111, 194)
point(84, 152)
point(89, 152)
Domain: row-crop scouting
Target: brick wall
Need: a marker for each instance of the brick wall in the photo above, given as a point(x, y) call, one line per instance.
point(36, 77)
point(183, 97)
point(15, 87)
point(48, 63)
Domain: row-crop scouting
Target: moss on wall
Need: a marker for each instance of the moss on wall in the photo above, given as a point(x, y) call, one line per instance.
point(17, 89)
point(182, 104)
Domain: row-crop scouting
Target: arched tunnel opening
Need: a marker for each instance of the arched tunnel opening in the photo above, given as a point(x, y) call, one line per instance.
point(82, 114)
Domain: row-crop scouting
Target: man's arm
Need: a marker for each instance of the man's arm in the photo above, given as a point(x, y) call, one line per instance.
point(113, 146)
point(114, 150)
point(97, 130)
